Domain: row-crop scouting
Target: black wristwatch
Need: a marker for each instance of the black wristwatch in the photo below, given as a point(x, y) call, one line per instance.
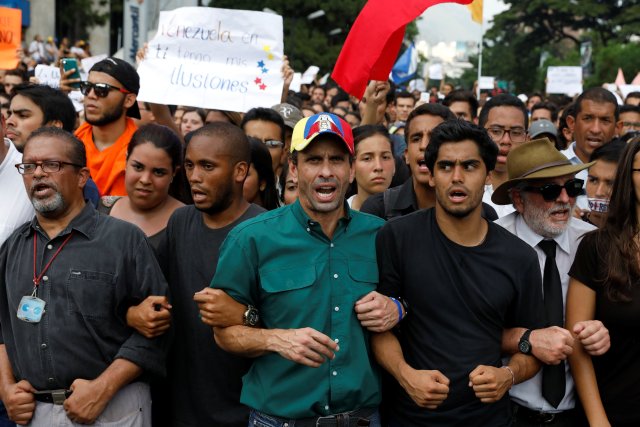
point(524, 345)
point(251, 316)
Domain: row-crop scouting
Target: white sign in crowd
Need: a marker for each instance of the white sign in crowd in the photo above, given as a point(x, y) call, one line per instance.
point(214, 58)
point(567, 80)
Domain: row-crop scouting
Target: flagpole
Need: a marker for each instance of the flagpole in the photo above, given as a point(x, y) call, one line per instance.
point(480, 52)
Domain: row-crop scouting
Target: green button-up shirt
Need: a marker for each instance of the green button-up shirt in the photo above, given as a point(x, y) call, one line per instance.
point(282, 263)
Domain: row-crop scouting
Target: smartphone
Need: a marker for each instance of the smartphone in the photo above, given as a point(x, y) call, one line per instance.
point(70, 64)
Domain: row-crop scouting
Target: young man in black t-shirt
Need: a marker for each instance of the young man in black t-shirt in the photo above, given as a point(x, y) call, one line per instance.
point(204, 381)
point(465, 280)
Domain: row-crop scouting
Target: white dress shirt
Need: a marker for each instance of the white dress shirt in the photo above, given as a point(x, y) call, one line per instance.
point(529, 393)
point(501, 210)
point(570, 153)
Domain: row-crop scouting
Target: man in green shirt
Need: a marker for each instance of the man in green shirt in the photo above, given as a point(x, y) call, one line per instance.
point(310, 270)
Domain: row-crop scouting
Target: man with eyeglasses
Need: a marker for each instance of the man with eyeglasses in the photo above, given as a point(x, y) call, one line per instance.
point(630, 119)
point(109, 107)
point(67, 278)
point(543, 189)
point(506, 119)
point(266, 125)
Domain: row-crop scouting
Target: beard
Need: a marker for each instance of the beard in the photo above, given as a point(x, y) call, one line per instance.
point(53, 204)
point(459, 211)
point(539, 218)
point(107, 117)
point(223, 199)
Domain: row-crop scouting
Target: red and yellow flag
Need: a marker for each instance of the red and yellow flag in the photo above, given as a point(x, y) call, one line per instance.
point(476, 10)
point(374, 41)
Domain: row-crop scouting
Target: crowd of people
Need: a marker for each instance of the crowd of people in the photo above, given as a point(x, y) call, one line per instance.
point(329, 261)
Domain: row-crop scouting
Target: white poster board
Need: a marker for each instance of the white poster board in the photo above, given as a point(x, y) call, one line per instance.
point(487, 82)
point(214, 58)
point(435, 72)
point(567, 80)
point(627, 89)
point(296, 83)
point(89, 62)
point(48, 75)
point(309, 75)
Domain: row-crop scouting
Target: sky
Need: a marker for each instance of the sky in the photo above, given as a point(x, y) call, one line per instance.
point(452, 22)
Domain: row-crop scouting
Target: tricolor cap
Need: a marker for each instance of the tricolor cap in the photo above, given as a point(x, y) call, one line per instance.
point(310, 128)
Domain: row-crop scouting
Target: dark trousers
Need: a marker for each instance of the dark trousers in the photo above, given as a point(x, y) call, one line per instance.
point(4, 418)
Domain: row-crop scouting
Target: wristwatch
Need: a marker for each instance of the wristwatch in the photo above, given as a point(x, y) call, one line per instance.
point(524, 345)
point(251, 316)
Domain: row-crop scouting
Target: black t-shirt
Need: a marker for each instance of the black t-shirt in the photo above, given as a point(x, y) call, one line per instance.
point(204, 380)
point(460, 301)
point(618, 370)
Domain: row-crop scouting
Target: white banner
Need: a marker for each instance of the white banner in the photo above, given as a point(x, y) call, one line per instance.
point(309, 75)
point(567, 80)
point(487, 82)
point(89, 62)
point(48, 75)
point(435, 72)
point(296, 83)
point(214, 58)
point(627, 89)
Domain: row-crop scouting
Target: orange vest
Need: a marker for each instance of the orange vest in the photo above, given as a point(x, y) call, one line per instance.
point(107, 166)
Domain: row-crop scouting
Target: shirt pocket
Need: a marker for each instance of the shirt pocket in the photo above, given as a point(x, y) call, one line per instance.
point(90, 293)
point(277, 281)
point(364, 273)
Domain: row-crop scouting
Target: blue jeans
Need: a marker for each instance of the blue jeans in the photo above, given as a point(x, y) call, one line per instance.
point(259, 419)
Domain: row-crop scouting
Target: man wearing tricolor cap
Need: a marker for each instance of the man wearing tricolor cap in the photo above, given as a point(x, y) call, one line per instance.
point(309, 269)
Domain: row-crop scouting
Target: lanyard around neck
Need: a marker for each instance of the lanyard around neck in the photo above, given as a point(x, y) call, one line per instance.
point(37, 278)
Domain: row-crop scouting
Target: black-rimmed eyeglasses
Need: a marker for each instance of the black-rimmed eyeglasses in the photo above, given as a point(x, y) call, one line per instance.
point(48, 166)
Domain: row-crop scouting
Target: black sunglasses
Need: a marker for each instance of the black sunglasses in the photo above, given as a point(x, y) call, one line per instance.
point(101, 89)
point(551, 192)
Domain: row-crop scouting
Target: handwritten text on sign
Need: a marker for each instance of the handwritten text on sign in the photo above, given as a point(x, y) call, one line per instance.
point(214, 58)
point(10, 36)
point(567, 80)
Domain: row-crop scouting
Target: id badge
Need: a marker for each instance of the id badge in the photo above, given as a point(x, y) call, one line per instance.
point(31, 309)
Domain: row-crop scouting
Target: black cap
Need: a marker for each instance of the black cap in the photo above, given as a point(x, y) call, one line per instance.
point(123, 72)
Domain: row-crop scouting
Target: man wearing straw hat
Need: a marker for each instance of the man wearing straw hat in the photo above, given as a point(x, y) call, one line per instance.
point(543, 189)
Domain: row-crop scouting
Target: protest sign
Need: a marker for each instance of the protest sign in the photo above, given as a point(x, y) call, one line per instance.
point(10, 36)
point(48, 75)
point(309, 75)
point(627, 89)
point(435, 72)
point(567, 80)
point(486, 82)
point(296, 83)
point(89, 62)
point(214, 58)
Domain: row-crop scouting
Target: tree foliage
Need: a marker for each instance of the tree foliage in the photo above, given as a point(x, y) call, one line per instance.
point(521, 33)
point(78, 17)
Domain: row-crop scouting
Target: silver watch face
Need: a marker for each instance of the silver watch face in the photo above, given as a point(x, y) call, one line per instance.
point(251, 316)
point(525, 347)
